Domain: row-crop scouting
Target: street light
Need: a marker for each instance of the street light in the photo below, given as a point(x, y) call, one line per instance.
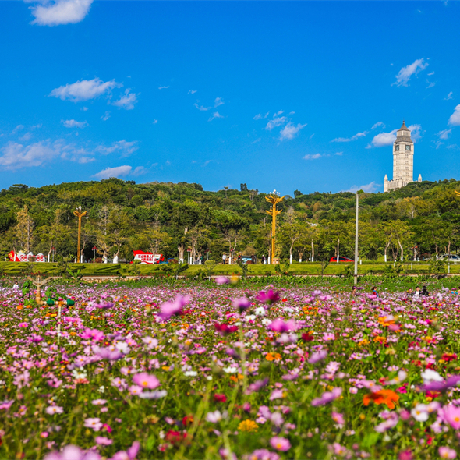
point(356, 238)
point(94, 252)
point(79, 215)
point(274, 198)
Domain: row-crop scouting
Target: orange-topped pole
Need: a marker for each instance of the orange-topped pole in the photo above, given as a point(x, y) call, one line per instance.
point(79, 214)
point(273, 199)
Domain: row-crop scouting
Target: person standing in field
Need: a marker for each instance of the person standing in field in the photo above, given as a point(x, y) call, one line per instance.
point(224, 258)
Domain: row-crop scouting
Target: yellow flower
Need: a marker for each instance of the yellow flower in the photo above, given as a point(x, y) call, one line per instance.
point(165, 368)
point(363, 343)
point(248, 425)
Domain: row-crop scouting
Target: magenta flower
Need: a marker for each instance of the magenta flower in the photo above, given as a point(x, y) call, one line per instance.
point(145, 380)
point(104, 306)
point(317, 356)
point(269, 297)
point(220, 280)
point(278, 325)
point(279, 443)
point(22, 325)
point(258, 385)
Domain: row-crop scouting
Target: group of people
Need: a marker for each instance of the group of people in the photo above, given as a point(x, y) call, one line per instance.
point(410, 292)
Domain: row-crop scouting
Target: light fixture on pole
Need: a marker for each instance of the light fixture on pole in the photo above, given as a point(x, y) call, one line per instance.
point(356, 238)
point(79, 214)
point(274, 198)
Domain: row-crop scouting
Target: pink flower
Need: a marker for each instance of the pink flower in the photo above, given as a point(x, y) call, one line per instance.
point(169, 309)
point(220, 280)
point(22, 325)
point(452, 416)
point(103, 441)
point(54, 410)
point(145, 380)
point(338, 418)
point(279, 443)
point(93, 423)
point(278, 325)
point(242, 303)
point(446, 452)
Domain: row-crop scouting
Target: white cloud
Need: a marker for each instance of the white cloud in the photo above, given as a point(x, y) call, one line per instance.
point(83, 90)
point(201, 108)
point(369, 188)
point(289, 131)
point(106, 115)
point(191, 91)
point(163, 87)
point(60, 12)
point(114, 172)
point(74, 124)
point(25, 137)
point(384, 139)
point(257, 140)
point(84, 160)
point(139, 171)
point(312, 156)
point(454, 119)
point(449, 96)
point(430, 84)
point(18, 128)
point(216, 115)
point(260, 117)
point(218, 101)
point(16, 156)
point(292, 112)
point(155, 121)
point(431, 73)
point(127, 101)
point(444, 134)
point(352, 138)
point(403, 77)
point(126, 148)
point(277, 121)
point(379, 123)
point(339, 154)
point(84, 109)
point(276, 114)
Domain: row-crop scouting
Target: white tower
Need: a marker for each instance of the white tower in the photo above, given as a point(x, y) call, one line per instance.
point(403, 161)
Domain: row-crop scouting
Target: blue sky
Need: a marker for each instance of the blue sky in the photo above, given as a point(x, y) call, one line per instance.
point(285, 95)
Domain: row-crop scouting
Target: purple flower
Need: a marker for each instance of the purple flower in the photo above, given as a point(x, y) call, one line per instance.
point(107, 353)
point(169, 309)
point(145, 380)
point(262, 454)
point(327, 397)
point(281, 444)
point(242, 303)
point(258, 385)
point(269, 297)
point(71, 452)
point(317, 356)
point(214, 417)
point(103, 441)
point(442, 385)
point(104, 306)
point(93, 423)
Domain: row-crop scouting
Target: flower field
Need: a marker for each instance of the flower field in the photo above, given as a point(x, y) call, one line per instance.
point(228, 372)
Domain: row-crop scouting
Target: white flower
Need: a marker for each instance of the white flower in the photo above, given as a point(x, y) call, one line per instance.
point(190, 374)
point(250, 317)
point(123, 347)
point(209, 377)
point(214, 417)
point(419, 412)
point(259, 311)
point(230, 370)
point(266, 321)
point(431, 376)
point(101, 389)
point(400, 378)
point(77, 375)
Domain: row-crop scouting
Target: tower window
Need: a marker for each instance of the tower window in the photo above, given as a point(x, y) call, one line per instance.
point(396, 147)
point(407, 147)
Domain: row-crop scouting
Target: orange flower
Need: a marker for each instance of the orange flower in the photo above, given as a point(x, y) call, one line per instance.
point(272, 356)
point(387, 397)
point(383, 321)
point(381, 340)
point(19, 307)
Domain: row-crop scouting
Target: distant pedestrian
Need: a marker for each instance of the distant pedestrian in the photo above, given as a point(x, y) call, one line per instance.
point(224, 258)
point(417, 292)
point(424, 291)
point(354, 291)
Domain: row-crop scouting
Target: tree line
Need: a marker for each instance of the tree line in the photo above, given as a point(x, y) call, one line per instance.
point(418, 220)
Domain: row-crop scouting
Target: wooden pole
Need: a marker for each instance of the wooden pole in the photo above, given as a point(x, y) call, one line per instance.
point(79, 215)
